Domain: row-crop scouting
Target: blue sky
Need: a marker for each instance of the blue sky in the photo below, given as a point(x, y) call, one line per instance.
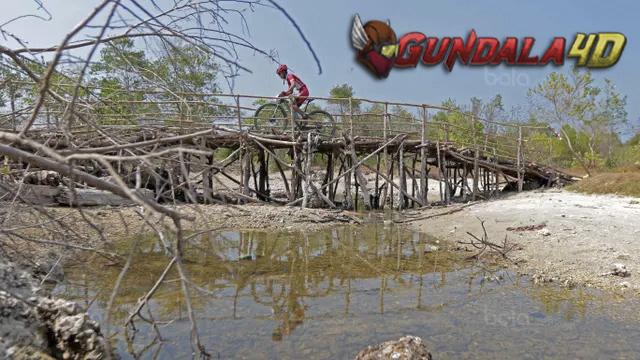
point(327, 26)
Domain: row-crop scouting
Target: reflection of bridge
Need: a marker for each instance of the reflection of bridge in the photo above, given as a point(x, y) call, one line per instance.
point(210, 148)
point(295, 278)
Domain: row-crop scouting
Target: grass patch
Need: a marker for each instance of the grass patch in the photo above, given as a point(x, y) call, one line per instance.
point(623, 182)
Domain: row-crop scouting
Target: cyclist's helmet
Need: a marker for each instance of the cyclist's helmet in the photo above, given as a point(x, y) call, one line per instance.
point(281, 68)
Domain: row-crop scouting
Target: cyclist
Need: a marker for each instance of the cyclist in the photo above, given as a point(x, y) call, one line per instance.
point(294, 82)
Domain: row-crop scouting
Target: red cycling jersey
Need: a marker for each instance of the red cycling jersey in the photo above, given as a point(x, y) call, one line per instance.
point(303, 92)
point(298, 84)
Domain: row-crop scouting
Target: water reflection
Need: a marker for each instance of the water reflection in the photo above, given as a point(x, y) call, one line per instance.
point(323, 295)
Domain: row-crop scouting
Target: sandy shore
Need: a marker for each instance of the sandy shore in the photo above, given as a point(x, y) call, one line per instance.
point(580, 240)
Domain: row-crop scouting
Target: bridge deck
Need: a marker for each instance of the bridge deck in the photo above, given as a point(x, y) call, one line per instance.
point(400, 165)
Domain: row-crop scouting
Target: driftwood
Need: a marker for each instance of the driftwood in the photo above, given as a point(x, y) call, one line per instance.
point(42, 195)
point(93, 197)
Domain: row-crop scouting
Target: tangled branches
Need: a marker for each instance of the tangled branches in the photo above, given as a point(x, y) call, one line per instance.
point(484, 245)
point(67, 111)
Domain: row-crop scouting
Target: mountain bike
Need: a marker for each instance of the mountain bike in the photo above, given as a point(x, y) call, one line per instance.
point(273, 117)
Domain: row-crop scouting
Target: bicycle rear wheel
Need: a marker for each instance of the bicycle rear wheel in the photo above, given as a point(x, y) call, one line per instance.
point(323, 122)
point(271, 118)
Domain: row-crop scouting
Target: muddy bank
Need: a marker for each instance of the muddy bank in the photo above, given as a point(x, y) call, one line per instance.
point(563, 236)
point(99, 227)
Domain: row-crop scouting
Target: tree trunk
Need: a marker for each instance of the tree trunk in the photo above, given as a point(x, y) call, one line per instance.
point(584, 166)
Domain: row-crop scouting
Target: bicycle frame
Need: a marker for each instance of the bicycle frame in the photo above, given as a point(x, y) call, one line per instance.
point(279, 111)
point(283, 101)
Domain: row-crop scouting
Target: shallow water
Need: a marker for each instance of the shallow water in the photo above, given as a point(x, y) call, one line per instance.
point(327, 295)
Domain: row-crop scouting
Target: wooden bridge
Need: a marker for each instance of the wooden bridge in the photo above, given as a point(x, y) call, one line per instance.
point(208, 148)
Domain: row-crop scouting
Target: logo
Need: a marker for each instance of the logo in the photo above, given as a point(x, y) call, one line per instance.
point(376, 44)
point(379, 50)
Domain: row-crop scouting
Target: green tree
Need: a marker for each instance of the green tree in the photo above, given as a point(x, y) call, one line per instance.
point(117, 74)
point(457, 123)
point(370, 121)
point(576, 102)
point(344, 91)
point(191, 76)
point(11, 92)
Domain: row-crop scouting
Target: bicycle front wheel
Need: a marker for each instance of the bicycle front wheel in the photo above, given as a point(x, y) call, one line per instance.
point(323, 122)
point(270, 118)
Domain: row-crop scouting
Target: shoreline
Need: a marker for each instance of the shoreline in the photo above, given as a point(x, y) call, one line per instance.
point(559, 236)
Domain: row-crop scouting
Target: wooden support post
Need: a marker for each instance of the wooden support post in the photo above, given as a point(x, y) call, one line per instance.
point(390, 182)
point(247, 172)
point(424, 185)
point(358, 177)
point(263, 175)
point(413, 178)
point(351, 117)
point(266, 172)
point(447, 188)
point(487, 186)
point(184, 167)
point(300, 177)
point(550, 160)
point(206, 171)
point(377, 192)
point(307, 171)
point(485, 179)
point(348, 199)
point(294, 175)
point(385, 120)
point(335, 187)
point(238, 111)
point(402, 178)
point(455, 181)
point(495, 171)
point(441, 175)
point(396, 186)
point(209, 185)
point(353, 167)
point(329, 174)
point(254, 174)
point(355, 202)
point(465, 173)
point(241, 162)
point(519, 160)
point(284, 177)
point(294, 155)
point(476, 156)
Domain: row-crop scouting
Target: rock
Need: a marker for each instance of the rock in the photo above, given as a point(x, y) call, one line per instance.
point(540, 278)
point(620, 270)
point(492, 278)
point(544, 232)
point(431, 248)
point(43, 177)
point(406, 348)
point(625, 284)
point(43, 327)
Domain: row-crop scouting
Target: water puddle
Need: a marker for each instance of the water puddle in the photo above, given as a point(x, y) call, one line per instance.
point(327, 295)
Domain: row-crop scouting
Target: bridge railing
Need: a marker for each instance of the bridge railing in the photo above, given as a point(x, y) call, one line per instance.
point(357, 116)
